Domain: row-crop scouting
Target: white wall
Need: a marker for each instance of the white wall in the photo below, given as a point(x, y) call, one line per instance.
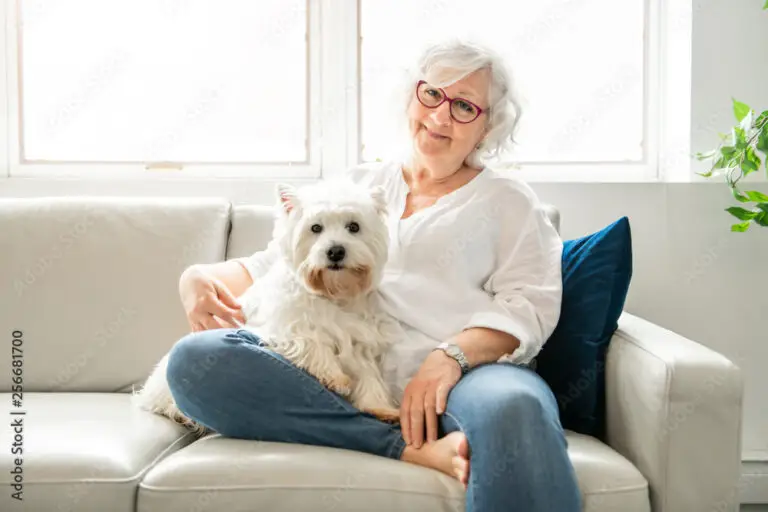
point(730, 58)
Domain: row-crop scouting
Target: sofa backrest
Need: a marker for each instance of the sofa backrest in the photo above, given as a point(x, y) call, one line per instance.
point(252, 228)
point(91, 285)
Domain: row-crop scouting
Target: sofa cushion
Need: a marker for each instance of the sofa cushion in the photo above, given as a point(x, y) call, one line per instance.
point(81, 451)
point(252, 227)
point(92, 284)
point(597, 270)
point(218, 473)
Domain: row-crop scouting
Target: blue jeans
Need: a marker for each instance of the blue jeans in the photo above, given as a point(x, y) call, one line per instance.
point(226, 380)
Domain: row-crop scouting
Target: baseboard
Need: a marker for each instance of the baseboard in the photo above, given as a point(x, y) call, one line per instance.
point(753, 486)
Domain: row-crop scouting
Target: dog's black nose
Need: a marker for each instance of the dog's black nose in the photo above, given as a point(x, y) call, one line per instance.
point(336, 253)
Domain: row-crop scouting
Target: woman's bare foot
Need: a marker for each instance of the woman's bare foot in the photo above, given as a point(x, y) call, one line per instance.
point(449, 454)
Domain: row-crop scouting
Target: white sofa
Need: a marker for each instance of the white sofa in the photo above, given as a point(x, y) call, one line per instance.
point(89, 287)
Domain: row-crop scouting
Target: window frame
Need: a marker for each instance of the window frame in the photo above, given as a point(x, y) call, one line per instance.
point(334, 137)
point(665, 151)
point(18, 167)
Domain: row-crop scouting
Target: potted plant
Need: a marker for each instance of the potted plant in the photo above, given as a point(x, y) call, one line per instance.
point(737, 156)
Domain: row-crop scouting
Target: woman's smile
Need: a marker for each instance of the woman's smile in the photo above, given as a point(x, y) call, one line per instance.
point(434, 135)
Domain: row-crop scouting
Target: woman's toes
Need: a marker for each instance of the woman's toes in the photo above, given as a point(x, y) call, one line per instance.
point(463, 448)
point(460, 468)
point(461, 463)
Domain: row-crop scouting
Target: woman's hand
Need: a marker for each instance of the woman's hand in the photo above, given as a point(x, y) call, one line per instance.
point(207, 303)
point(425, 397)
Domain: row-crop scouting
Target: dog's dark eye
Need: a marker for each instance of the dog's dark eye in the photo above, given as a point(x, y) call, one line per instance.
point(353, 227)
point(316, 228)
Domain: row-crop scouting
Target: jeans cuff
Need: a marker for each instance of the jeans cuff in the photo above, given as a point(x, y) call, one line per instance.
point(397, 447)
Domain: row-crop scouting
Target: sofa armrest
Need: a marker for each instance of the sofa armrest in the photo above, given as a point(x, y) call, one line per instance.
point(674, 408)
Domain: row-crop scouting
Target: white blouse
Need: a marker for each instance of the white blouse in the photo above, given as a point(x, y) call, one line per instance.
point(484, 255)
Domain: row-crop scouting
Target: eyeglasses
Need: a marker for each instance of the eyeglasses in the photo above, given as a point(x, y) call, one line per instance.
point(462, 111)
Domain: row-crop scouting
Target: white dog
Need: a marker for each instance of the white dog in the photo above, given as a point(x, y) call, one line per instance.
point(316, 305)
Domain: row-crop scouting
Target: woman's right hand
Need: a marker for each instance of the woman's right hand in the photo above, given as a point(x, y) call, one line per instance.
point(207, 303)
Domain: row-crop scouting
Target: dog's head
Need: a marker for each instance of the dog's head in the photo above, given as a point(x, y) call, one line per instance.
point(334, 235)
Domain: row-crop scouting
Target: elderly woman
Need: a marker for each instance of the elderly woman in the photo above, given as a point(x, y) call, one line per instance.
point(474, 277)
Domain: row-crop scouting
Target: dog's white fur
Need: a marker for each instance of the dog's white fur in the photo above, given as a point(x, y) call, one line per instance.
point(321, 315)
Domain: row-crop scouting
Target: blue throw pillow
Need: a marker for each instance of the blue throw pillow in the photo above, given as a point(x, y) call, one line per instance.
point(596, 272)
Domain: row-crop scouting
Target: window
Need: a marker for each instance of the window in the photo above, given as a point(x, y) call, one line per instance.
point(308, 88)
point(199, 81)
point(579, 67)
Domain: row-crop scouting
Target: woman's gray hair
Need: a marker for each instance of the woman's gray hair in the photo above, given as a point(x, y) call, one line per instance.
point(444, 63)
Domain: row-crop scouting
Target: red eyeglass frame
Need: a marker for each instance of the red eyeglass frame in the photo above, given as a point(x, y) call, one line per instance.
point(450, 102)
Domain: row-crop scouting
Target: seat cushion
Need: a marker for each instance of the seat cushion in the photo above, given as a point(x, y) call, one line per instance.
point(217, 473)
point(597, 270)
point(81, 451)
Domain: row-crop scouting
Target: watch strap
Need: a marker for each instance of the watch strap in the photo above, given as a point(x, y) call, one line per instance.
point(454, 351)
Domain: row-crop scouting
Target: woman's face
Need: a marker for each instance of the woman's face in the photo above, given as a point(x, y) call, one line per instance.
point(440, 139)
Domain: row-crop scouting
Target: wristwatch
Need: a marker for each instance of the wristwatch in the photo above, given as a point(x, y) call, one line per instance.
point(455, 353)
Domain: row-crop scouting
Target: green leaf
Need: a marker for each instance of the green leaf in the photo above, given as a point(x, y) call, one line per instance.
point(739, 138)
point(761, 118)
point(746, 123)
point(756, 196)
point(765, 7)
point(761, 219)
point(720, 164)
point(751, 162)
point(762, 141)
point(740, 228)
point(763, 206)
point(728, 151)
point(707, 155)
point(740, 110)
point(739, 196)
point(741, 213)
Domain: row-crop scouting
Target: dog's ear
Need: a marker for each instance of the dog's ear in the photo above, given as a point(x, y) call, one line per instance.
point(379, 196)
point(286, 195)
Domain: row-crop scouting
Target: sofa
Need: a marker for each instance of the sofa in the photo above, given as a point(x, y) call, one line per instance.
point(90, 303)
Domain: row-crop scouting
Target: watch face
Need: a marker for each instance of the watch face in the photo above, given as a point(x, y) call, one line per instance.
point(453, 350)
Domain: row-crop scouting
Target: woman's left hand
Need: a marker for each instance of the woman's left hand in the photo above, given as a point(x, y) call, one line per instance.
point(425, 397)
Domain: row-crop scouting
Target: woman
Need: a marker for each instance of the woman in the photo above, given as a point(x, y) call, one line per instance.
point(473, 262)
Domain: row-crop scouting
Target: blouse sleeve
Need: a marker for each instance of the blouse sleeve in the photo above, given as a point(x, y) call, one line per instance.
point(526, 285)
point(259, 262)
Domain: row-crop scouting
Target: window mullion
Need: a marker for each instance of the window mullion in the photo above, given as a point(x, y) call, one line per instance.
point(338, 85)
